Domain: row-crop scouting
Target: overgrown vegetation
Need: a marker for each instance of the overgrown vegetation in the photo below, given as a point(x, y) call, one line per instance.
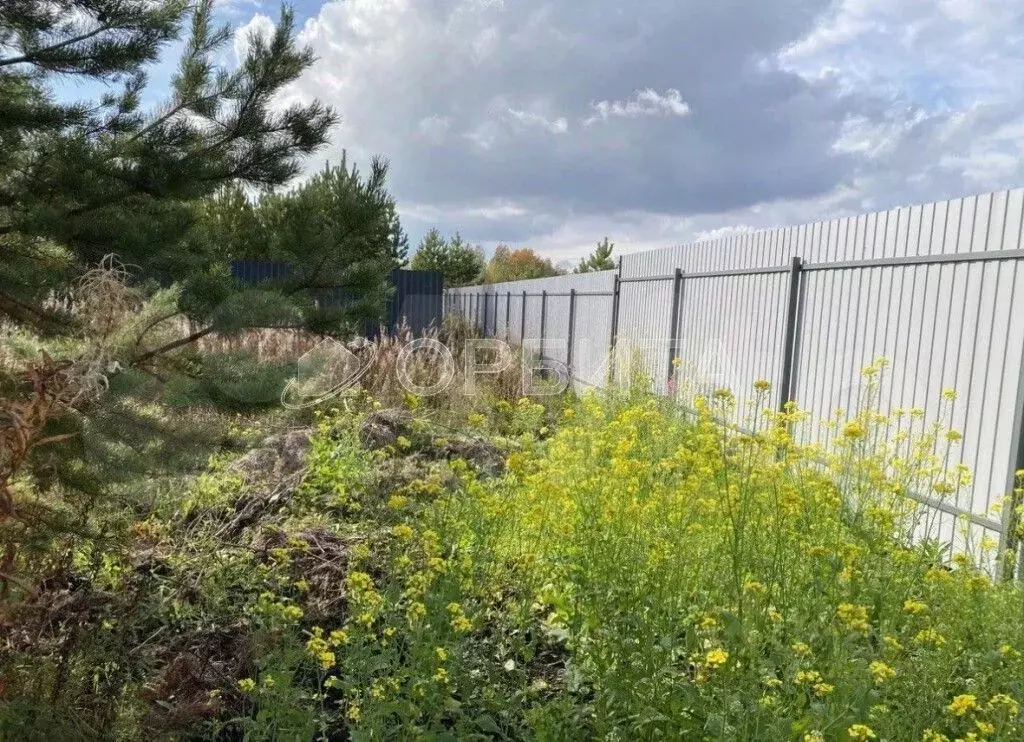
point(608, 566)
point(183, 558)
point(118, 228)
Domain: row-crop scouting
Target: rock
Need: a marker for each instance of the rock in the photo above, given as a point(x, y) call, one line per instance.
point(277, 457)
point(486, 457)
point(255, 465)
point(292, 451)
point(382, 428)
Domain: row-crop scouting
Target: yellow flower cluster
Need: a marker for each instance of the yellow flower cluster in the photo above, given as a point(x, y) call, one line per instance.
point(855, 617)
point(716, 658)
point(322, 647)
point(644, 536)
point(881, 672)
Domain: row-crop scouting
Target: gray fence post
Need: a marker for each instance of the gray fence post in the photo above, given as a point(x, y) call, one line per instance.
point(792, 326)
point(508, 316)
point(1009, 552)
point(486, 297)
point(522, 321)
point(543, 319)
point(614, 340)
point(572, 327)
point(673, 328)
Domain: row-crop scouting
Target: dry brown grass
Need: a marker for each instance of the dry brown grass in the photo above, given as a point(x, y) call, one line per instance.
point(269, 344)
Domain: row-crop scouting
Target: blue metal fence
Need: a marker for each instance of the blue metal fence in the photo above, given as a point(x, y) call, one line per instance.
point(415, 302)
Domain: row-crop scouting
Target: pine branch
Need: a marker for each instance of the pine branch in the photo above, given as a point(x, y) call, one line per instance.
point(174, 345)
point(174, 111)
point(33, 56)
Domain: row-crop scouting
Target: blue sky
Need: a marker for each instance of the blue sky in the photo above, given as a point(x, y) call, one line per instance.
point(551, 125)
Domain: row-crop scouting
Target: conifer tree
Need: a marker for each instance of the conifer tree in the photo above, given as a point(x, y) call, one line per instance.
point(459, 262)
point(80, 181)
point(88, 343)
point(599, 260)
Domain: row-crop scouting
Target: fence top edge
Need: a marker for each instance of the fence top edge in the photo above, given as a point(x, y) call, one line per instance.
point(894, 262)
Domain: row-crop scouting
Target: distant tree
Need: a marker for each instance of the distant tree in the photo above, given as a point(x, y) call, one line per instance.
point(339, 229)
point(599, 260)
point(459, 262)
point(515, 265)
point(399, 241)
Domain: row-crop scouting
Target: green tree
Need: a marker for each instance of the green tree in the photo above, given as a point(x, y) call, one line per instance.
point(599, 260)
point(459, 262)
point(398, 239)
point(85, 351)
point(337, 231)
point(516, 265)
point(79, 181)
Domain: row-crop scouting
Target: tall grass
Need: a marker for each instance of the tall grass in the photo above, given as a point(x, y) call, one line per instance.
point(709, 583)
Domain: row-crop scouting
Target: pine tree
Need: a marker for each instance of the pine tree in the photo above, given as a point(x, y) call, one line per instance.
point(599, 260)
point(79, 181)
point(459, 262)
point(86, 351)
point(338, 233)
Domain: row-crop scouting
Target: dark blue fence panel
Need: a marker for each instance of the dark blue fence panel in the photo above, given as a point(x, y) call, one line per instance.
point(258, 271)
point(416, 301)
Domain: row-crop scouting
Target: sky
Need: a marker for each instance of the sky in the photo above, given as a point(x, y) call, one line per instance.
point(657, 122)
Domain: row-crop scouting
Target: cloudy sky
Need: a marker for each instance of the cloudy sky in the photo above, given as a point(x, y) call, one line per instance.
point(655, 122)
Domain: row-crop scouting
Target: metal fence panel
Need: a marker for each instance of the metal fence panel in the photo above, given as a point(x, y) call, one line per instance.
point(934, 288)
point(417, 300)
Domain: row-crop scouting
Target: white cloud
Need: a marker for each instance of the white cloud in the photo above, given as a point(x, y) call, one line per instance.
point(434, 128)
point(259, 25)
point(556, 126)
point(646, 102)
point(712, 116)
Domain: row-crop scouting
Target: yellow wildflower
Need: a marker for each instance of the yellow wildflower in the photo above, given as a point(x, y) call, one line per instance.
point(855, 617)
point(800, 649)
point(716, 658)
point(963, 705)
point(860, 732)
point(854, 430)
point(808, 677)
point(823, 689)
point(881, 671)
point(416, 611)
point(930, 636)
point(402, 532)
point(915, 607)
point(1005, 702)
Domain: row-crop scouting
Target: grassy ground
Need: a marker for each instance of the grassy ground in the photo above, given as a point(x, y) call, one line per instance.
point(603, 567)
